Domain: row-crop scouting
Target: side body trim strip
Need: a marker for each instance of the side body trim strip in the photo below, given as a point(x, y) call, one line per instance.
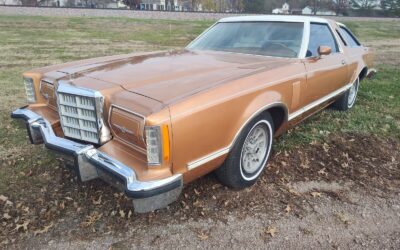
point(319, 101)
point(207, 158)
point(198, 162)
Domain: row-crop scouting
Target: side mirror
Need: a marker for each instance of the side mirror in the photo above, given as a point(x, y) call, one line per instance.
point(324, 50)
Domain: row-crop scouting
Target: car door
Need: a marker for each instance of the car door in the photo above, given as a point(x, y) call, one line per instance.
point(326, 73)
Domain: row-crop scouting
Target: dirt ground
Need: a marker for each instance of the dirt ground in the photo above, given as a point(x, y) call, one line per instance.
point(343, 193)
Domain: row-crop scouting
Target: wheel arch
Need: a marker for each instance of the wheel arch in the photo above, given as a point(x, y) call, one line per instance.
point(363, 73)
point(277, 110)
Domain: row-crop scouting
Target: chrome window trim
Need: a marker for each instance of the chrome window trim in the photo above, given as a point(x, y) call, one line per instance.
point(299, 56)
point(335, 37)
point(305, 41)
point(279, 18)
point(342, 26)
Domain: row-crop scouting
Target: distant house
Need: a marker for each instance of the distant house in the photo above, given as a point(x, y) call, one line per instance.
point(284, 10)
point(173, 5)
point(309, 11)
point(277, 11)
point(10, 2)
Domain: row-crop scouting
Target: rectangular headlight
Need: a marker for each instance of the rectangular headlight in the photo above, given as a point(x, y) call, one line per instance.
point(154, 145)
point(30, 90)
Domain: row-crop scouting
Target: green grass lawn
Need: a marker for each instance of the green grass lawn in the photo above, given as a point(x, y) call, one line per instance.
point(29, 42)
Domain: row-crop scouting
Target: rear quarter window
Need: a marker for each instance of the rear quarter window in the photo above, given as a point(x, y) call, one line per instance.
point(349, 39)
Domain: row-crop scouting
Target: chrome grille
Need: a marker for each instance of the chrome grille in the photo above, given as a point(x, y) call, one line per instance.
point(80, 113)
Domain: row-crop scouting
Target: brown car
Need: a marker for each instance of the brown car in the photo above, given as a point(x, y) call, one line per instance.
point(148, 123)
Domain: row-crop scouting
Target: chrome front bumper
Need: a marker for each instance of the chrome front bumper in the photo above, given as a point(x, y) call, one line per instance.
point(90, 163)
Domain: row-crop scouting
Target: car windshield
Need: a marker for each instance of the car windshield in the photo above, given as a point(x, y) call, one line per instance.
point(278, 39)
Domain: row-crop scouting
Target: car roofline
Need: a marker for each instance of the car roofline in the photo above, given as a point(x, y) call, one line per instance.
point(273, 18)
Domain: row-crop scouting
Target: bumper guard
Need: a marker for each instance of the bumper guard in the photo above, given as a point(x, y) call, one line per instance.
point(90, 163)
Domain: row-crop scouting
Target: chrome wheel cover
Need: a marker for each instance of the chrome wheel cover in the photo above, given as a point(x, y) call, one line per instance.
point(255, 150)
point(352, 94)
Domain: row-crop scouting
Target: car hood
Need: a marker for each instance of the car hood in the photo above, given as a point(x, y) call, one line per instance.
point(171, 76)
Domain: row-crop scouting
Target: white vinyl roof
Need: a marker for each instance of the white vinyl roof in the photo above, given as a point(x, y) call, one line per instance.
point(276, 18)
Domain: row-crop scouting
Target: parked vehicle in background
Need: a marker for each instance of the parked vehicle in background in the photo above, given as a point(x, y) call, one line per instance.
point(148, 123)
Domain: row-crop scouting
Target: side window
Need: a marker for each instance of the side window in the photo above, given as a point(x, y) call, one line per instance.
point(320, 34)
point(350, 39)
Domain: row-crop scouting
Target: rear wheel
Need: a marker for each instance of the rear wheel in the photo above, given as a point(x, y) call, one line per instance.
point(249, 155)
point(347, 100)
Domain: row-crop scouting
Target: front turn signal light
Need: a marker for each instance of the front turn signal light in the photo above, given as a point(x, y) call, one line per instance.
point(157, 142)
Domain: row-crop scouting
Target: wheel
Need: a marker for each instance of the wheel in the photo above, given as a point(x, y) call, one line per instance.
point(347, 100)
point(249, 154)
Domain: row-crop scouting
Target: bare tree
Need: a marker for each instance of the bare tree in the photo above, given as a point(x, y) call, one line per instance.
point(364, 4)
point(209, 5)
point(29, 2)
point(390, 4)
point(340, 6)
point(132, 4)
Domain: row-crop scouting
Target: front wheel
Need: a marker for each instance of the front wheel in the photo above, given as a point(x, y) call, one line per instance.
point(347, 100)
point(249, 154)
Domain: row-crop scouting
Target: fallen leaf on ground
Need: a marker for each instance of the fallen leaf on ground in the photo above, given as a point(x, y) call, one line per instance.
point(288, 209)
point(6, 216)
point(316, 194)
point(305, 164)
point(271, 231)
point(202, 235)
point(98, 201)
point(322, 171)
point(44, 230)
point(325, 147)
point(343, 218)
point(292, 191)
point(197, 203)
point(24, 226)
point(3, 198)
point(91, 219)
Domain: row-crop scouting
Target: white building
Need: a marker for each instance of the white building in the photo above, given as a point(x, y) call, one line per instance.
point(277, 11)
point(309, 11)
point(10, 2)
point(161, 5)
point(284, 10)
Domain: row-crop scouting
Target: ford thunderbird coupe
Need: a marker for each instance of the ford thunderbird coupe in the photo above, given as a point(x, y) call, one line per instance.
point(149, 123)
